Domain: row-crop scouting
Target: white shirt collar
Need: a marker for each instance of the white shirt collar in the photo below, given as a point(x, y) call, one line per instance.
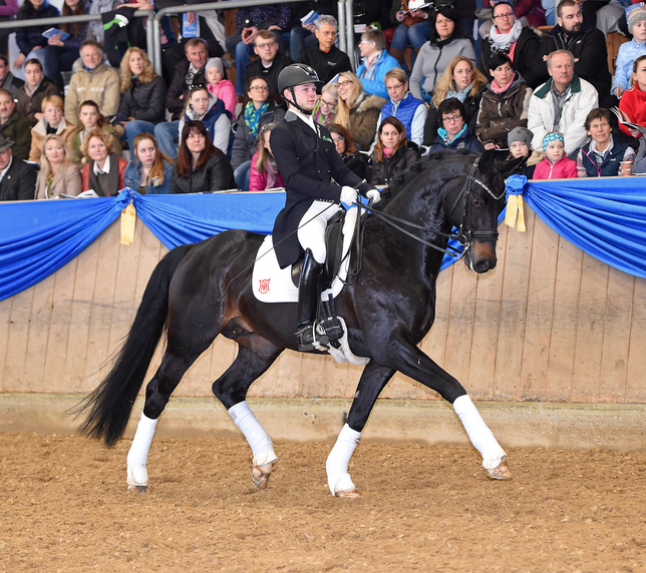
point(106, 167)
point(308, 119)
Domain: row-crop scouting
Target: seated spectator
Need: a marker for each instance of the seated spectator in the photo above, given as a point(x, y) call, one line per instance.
point(18, 181)
point(603, 156)
point(454, 133)
point(200, 167)
point(325, 58)
point(89, 119)
point(31, 41)
point(8, 12)
point(218, 86)
point(519, 141)
point(95, 29)
point(52, 123)
point(7, 80)
point(14, 127)
point(249, 21)
point(633, 100)
point(149, 171)
point(608, 18)
point(587, 45)
point(354, 160)
point(204, 106)
point(638, 166)
point(563, 103)
point(357, 111)
point(189, 72)
point(256, 113)
point(96, 81)
point(58, 174)
point(143, 94)
point(63, 53)
point(270, 61)
point(447, 42)
point(462, 80)
point(522, 45)
point(392, 155)
point(412, 27)
point(325, 108)
point(104, 171)
point(31, 95)
point(630, 51)
point(555, 164)
point(376, 63)
point(264, 172)
point(302, 36)
point(527, 12)
point(504, 105)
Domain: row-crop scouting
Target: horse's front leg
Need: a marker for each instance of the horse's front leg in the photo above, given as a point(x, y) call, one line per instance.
point(372, 382)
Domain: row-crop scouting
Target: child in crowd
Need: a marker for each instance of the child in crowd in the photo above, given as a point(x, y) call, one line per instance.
point(218, 86)
point(90, 118)
point(519, 141)
point(555, 164)
point(325, 107)
point(264, 171)
point(630, 51)
point(392, 153)
point(633, 101)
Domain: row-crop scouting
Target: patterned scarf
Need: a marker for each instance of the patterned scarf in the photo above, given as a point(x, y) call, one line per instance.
point(461, 95)
point(502, 43)
point(252, 116)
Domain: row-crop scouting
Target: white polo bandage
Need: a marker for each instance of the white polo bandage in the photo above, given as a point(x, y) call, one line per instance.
point(259, 440)
point(339, 458)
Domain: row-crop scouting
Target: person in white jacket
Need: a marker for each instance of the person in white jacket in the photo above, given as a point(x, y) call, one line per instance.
point(561, 104)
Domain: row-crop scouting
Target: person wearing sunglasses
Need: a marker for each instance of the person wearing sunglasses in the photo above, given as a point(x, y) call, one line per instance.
point(454, 133)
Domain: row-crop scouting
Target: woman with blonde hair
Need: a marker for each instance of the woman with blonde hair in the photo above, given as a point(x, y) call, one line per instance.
point(461, 80)
point(143, 95)
point(149, 171)
point(392, 153)
point(104, 172)
point(58, 174)
point(264, 171)
point(325, 107)
point(357, 111)
point(52, 122)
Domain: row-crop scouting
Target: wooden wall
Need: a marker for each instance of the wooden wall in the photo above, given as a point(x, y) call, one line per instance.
point(550, 323)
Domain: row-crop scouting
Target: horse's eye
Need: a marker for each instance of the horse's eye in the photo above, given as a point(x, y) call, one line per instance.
point(477, 202)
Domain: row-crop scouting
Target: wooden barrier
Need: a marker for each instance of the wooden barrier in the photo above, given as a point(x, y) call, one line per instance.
point(550, 323)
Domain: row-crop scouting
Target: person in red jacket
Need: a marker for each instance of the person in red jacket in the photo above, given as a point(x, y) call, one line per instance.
point(633, 101)
point(555, 164)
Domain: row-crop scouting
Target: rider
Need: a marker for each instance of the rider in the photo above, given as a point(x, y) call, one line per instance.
point(308, 161)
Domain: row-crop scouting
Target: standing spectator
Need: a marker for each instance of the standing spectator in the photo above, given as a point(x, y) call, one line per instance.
point(357, 111)
point(31, 40)
point(17, 177)
point(377, 62)
point(264, 171)
point(143, 94)
point(454, 133)
point(633, 101)
point(325, 108)
point(58, 174)
point(326, 59)
point(504, 105)
point(7, 80)
point(522, 45)
point(630, 51)
point(270, 61)
point(412, 27)
point(14, 127)
point(446, 43)
point(555, 164)
point(189, 72)
point(149, 171)
point(37, 88)
point(52, 123)
point(561, 104)
point(200, 166)
point(603, 156)
point(96, 81)
point(354, 160)
point(218, 86)
point(461, 80)
point(586, 44)
point(105, 170)
point(89, 119)
point(392, 155)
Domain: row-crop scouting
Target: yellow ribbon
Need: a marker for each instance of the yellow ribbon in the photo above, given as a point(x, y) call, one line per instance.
point(516, 211)
point(128, 219)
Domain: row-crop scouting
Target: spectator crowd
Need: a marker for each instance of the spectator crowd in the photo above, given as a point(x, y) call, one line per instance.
point(92, 116)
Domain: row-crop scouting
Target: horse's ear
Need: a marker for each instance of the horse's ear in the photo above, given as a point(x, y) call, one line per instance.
point(487, 160)
point(512, 166)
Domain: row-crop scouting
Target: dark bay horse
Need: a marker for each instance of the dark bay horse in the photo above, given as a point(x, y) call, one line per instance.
point(388, 310)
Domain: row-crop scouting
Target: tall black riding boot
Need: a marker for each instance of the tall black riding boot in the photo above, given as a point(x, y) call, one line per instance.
point(308, 302)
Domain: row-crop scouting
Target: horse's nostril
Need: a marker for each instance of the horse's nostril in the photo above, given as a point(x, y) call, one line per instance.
point(482, 266)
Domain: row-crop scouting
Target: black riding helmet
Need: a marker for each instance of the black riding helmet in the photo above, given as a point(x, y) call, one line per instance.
point(296, 75)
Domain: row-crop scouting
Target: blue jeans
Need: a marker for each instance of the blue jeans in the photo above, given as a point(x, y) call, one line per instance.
point(416, 35)
point(134, 128)
point(300, 39)
point(166, 133)
point(241, 175)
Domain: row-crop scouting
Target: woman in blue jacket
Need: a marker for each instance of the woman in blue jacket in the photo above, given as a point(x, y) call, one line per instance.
point(454, 133)
point(150, 170)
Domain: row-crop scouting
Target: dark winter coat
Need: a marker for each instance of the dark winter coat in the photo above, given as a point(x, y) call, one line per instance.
point(271, 73)
point(383, 172)
point(28, 106)
point(144, 101)
point(326, 64)
point(466, 141)
point(17, 129)
point(215, 174)
point(178, 87)
point(357, 162)
point(28, 38)
point(19, 182)
point(363, 121)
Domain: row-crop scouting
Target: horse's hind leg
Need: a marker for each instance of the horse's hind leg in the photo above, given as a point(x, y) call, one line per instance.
point(255, 356)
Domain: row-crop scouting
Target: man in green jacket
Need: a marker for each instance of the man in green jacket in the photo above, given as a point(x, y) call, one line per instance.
point(13, 126)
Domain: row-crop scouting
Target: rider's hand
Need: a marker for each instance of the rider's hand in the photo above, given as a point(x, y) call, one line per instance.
point(348, 195)
point(374, 196)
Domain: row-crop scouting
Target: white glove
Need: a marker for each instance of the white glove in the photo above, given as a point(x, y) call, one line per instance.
point(348, 195)
point(374, 196)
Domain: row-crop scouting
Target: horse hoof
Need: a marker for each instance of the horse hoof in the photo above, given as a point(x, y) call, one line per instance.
point(260, 475)
point(138, 488)
point(500, 472)
point(349, 494)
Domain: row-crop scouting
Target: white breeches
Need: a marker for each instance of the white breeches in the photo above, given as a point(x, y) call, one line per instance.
point(311, 233)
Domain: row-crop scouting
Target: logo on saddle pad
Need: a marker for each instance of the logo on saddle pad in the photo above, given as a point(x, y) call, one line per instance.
point(263, 286)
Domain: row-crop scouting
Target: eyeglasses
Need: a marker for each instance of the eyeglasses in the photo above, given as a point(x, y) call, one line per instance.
point(267, 45)
point(196, 87)
point(343, 84)
point(337, 139)
point(451, 118)
point(259, 89)
point(365, 42)
point(328, 103)
point(501, 16)
point(393, 88)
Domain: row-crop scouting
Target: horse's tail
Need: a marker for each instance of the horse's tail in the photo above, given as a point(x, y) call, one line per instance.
point(111, 403)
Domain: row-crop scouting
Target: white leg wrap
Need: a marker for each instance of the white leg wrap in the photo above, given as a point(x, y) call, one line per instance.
point(480, 435)
point(138, 454)
point(338, 478)
point(259, 440)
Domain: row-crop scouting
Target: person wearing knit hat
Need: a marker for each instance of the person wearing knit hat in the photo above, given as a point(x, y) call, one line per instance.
point(521, 135)
point(219, 86)
point(519, 141)
point(630, 51)
point(555, 164)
